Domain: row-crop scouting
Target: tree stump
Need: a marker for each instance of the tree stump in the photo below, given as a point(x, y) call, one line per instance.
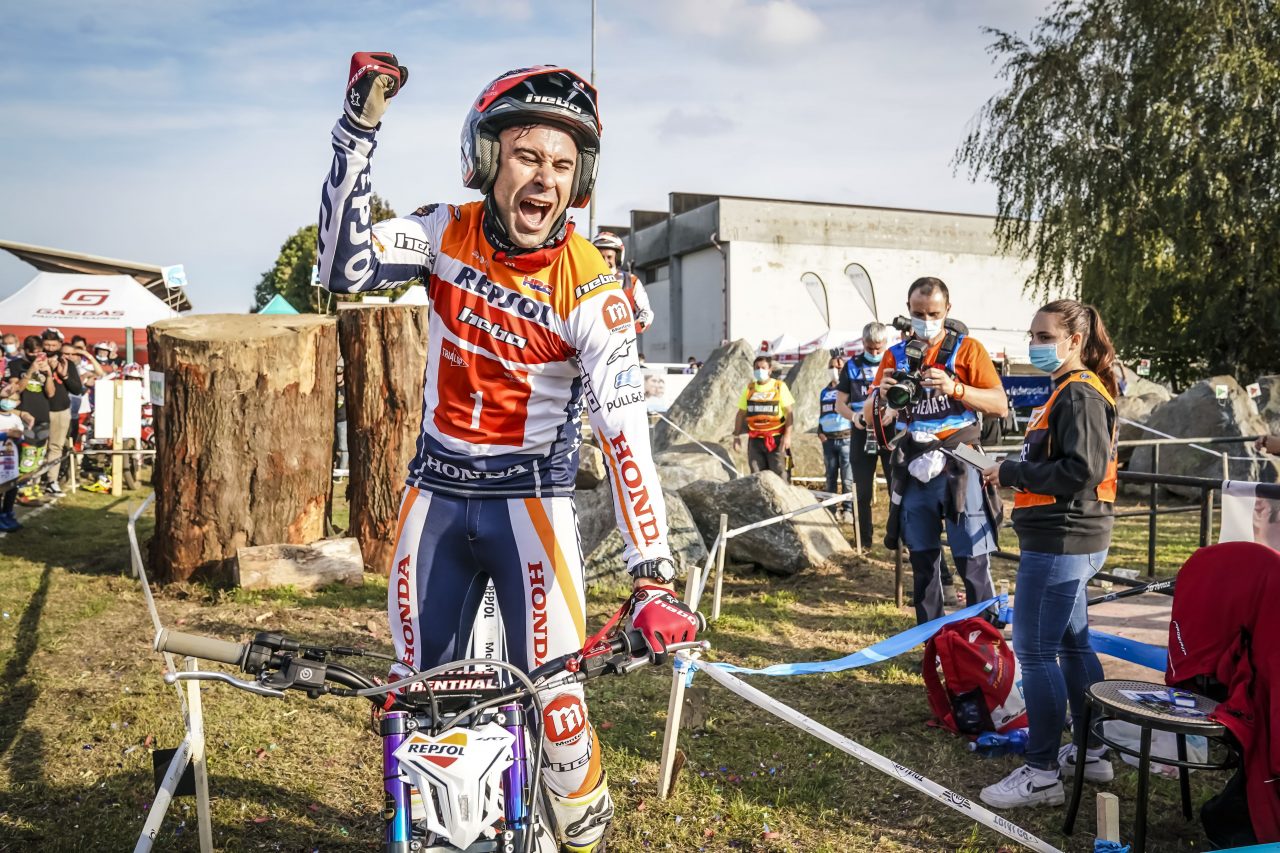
point(246, 435)
point(385, 351)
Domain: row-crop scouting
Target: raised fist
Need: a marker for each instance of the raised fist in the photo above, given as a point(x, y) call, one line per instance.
point(374, 78)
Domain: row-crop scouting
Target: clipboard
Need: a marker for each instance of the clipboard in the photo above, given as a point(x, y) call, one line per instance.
point(976, 458)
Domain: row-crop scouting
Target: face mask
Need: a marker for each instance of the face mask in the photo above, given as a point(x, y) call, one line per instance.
point(8, 405)
point(1045, 357)
point(10, 349)
point(872, 359)
point(834, 372)
point(760, 374)
point(926, 329)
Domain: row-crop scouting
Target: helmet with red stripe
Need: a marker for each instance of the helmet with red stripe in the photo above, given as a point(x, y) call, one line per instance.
point(544, 94)
point(609, 240)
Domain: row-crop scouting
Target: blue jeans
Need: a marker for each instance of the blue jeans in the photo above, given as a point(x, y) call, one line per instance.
point(835, 456)
point(1051, 640)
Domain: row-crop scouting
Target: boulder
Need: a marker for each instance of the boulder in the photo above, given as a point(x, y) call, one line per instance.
point(1269, 401)
point(1140, 399)
point(786, 547)
point(1197, 412)
point(806, 379)
point(806, 454)
point(706, 408)
point(605, 559)
point(683, 464)
point(590, 467)
point(595, 515)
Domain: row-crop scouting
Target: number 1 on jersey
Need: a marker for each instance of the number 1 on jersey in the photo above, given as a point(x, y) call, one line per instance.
point(478, 396)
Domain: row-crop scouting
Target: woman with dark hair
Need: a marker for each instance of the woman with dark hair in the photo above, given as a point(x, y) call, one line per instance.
point(1065, 491)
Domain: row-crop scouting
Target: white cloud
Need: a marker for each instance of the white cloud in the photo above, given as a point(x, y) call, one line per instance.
point(742, 28)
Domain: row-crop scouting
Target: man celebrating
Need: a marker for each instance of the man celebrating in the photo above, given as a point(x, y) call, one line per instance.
point(764, 413)
point(611, 248)
point(527, 325)
point(957, 379)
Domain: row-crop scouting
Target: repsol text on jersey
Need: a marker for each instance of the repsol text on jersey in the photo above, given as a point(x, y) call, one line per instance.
point(500, 297)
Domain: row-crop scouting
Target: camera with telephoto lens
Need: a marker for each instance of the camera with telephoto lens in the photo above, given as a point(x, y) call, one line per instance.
point(909, 387)
point(902, 324)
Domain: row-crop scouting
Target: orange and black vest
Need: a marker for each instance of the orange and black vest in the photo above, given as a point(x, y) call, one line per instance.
point(1038, 446)
point(764, 408)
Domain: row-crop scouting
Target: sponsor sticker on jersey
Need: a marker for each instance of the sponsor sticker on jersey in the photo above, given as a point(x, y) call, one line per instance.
point(451, 355)
point(632, 377)
point(624, 400)
point(616, 313)
point(621, 351)
point(595, 284)
point(635, 492)
point(412, 244)
point(534, 284)
point(499, 333)
point(564, 720)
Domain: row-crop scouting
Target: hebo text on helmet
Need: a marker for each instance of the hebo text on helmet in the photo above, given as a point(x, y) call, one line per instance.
point(544, 94)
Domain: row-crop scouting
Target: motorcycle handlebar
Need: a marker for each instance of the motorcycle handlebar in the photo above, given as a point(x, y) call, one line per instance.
point(207, 648)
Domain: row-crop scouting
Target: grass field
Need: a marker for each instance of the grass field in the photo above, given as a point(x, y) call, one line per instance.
point(82, 705)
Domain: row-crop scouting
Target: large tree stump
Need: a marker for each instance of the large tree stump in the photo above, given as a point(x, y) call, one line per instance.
point(246, 435)
point(385, 350)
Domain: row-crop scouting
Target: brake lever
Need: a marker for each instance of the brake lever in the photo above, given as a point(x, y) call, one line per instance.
point(252, 687)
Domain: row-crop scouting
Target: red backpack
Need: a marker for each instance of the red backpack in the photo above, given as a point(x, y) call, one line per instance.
point(974, 680)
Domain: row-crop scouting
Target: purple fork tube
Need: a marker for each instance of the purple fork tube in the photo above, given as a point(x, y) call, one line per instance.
point(515, 777)
point(396, 805)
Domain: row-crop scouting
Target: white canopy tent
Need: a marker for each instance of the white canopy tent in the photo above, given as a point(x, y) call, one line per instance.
point(100, 307)
point(415, 295)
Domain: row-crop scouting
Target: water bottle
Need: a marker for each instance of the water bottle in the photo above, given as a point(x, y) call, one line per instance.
point(993, 743)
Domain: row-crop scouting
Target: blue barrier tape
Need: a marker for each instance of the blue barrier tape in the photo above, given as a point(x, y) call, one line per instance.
point(881, 651)
point(1273, 847)
point(1100, 846)
point(1134, 651)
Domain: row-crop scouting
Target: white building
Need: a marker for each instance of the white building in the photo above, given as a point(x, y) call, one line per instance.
point(726, 267)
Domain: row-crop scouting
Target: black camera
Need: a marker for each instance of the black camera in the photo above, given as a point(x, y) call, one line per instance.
point(902, 324)
point(908, 388)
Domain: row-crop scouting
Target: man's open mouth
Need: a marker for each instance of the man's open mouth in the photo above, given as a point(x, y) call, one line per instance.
point(535, 212)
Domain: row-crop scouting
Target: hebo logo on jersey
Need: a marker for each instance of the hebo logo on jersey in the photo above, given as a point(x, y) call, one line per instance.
point(538, 608)
point(506, 336)
point(636, 493)
point(564, 720)
point(595, 283)
point(616, 313)
point(412, 244)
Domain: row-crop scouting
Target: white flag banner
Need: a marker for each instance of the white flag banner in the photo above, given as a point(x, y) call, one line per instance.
point(818, 293)
point(861, 281)
point(1250, 513)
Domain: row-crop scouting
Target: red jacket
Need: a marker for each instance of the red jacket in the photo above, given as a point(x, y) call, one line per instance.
point(1225, 625)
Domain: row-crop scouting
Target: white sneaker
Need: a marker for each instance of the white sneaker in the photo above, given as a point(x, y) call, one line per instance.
point(1023, 787)
point(1096, 768)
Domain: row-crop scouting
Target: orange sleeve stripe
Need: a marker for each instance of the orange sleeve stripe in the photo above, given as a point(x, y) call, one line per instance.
point(406, 503)
point(546, 534)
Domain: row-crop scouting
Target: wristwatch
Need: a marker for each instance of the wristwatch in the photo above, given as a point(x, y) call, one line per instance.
point(660, 569)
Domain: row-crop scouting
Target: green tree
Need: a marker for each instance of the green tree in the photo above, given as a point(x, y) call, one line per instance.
point(290, 275)
point(1135, 154)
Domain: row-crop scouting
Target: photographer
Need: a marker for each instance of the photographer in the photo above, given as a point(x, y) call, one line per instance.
point(854, 386)
point(1062, 512)
point(933, 386)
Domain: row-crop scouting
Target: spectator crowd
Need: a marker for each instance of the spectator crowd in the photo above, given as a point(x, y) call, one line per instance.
point(46, 401)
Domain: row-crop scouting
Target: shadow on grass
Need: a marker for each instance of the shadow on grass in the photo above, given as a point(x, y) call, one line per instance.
point(297, 820)
point(18, 693)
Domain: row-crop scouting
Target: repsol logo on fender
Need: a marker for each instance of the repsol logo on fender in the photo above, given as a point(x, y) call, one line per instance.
point(634, 490)
point(538, 607)
point(510, 301)
point(404, 602)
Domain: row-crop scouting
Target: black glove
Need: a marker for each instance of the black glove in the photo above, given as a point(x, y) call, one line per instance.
point(374, 78)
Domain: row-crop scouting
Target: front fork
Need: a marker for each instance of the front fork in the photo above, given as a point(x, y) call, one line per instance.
point(396, 809)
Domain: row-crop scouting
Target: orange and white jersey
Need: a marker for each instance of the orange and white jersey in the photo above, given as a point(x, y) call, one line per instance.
point(513, 356)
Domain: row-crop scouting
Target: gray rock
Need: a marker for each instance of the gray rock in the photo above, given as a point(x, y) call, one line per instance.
point(786, 547)
point(806, 379)
point(605, 559)
point(595, 515)
point(590, 467)
point(1140, 399)
point(1269, 401)
point(706, 408)
point(1195, 413)
point(687, 463)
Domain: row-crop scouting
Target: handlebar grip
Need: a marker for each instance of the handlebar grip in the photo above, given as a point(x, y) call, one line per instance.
point(206, 648)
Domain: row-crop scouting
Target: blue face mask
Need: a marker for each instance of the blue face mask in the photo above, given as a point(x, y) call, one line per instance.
point(1045, 357)
point(926, 329)
point(8, 405)
point(872, 359)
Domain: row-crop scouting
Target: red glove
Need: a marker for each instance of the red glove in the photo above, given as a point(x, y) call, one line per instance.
point(374, 78)
point(662, 619)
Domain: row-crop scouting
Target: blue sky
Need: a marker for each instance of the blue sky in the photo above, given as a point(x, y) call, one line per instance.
point(197, 132)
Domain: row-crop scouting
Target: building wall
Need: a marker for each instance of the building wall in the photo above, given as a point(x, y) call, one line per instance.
point(768, 299)
point(703, 291)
